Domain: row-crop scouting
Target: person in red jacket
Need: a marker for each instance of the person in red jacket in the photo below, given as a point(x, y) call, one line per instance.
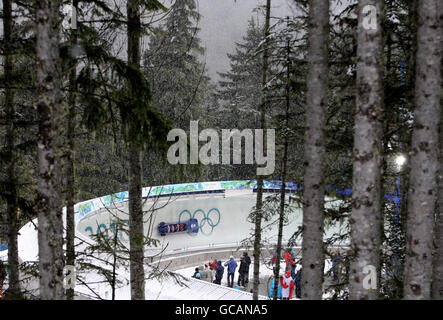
point(288, 259)
point(287, 286)
point(212, 265)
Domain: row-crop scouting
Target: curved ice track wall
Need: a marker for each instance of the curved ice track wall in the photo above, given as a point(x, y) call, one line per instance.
point(221, 208)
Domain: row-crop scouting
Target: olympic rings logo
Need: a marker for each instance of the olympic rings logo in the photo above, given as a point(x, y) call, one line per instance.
point(206, 222)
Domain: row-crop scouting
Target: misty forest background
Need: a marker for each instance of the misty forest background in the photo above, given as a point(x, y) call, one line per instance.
point(85, 112)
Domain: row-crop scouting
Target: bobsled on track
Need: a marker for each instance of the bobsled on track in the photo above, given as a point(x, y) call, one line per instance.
point(179, 227)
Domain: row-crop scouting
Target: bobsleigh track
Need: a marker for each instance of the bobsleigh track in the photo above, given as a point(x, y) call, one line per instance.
point(221, 208)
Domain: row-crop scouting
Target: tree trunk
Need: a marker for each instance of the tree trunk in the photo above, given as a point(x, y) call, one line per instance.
point(424, 158)
point(257, 238)
point(13, 263)
point(366, 192)
point(70, 166)
point(50, 119)
point(136, 235)
point(313, 185)
point(406, 140)
point(259, 201)
point(437, 272)
point(114, 262)
point(283, 175)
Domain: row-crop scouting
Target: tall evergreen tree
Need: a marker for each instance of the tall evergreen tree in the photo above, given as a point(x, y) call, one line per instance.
point(70, 153)
point(239, 88)
point(437, 271)
point(12, 207)
point(313, 185)
point(136, 254)
point(50, 115)
point(239, 91)
point(366, 192)
point(173, 64)
point(17, 154)
point(424, 157)
point(285, 133)
point(258, 210)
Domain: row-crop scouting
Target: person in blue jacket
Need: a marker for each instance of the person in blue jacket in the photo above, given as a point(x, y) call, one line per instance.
point(232, 265)
point(271, 290)
point(219, 273)
point(293, 255)
point(197, 274)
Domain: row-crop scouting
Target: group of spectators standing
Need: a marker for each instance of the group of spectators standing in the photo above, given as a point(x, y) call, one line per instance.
point(214, 271)
point(286, 286)
point(290, 280)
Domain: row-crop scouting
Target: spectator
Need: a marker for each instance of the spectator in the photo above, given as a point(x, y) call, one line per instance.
point(212, 271)
point(219, 273)
point(271, 289)
point(293, 271)
point(298, 284)
point(213, 265)
point(197, 274)
point(293, 256)
point(248, 263)
point(206, 273)
point(288, 259)
point(232, 265)
point(335, 265)
point(287, 285)
point(242, 271)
